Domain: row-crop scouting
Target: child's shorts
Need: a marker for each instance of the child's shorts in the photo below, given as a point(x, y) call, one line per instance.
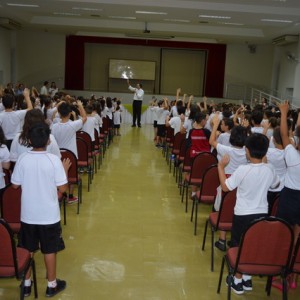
point(161, 130)
point(117, 126)
point(155, 124)
point(47, 237)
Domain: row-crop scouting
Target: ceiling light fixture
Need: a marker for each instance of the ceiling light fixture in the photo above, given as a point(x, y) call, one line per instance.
point(66, 14)
point(177, 20)
point(229, 23)
point(150, 12)
point(276, 21)
point(120, 17)
point(215, 17)
point(22, 5)
point(87, 8)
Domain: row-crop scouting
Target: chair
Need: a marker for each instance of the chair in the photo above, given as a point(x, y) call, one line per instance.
point(178, 138)
point(184, 168)
point(208, 191)
point(14, 261)
point(11, 207)
point(98, 147)
point(220, 220)
point(295, 263)
point(73, 177)
point(169, 142)
point(199, 164)
point(265, 249)
point(84, 161)
point(86, 137)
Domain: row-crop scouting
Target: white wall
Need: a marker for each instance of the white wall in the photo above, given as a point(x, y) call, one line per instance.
point(253, 69)
point(40, 57)
point(5, 56)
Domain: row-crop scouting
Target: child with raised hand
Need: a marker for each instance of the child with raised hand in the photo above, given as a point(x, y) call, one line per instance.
point(252, 181)
point(289, 201)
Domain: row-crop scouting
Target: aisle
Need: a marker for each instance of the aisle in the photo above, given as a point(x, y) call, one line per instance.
point(132, 239)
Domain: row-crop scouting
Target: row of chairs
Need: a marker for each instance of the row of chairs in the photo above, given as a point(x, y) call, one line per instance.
point(262, 251)
point(15, 261)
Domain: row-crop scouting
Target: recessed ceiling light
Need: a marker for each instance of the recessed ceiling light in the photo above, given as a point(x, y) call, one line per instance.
point(276, 21)
point(66, 14)
point(177, 20)
point(214, 17)
point(229, 23)
point(120, 17)
point(22, 5)
point(87, 8)
point(150, 12)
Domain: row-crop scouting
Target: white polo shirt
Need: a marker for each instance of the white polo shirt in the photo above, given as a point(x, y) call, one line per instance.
point(11, 122)
point(292, 177)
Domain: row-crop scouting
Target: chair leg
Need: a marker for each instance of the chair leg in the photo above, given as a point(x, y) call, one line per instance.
point(204, 236)
point(284, 288)
point(196, 217)
point(34, 279)
point(193, 208)
point(212, 248)
point(182, 193)
point(65, 213)
point(221, 275)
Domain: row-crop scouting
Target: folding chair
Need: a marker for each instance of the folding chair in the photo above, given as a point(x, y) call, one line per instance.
point(185, 167)
point(220, 220)
point(208, 191)
point(84, 161)
point(15, 261)
point(199, 165)
point(73, 177)
point(169, 142)
point(98, 147)
point(265, 249)
point(178, 138)
point(11, 207)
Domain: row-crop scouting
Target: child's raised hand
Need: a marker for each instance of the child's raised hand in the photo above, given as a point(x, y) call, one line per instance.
point(216, 120)
point(284, 107)
point(67, 164)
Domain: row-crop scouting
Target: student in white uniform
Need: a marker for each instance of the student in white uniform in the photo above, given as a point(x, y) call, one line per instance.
point(65, 133)
point(176, 121)
point(41, 174)
point(251, 200)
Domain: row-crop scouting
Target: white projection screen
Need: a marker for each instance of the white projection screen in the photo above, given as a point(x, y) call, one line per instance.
point(131, 69)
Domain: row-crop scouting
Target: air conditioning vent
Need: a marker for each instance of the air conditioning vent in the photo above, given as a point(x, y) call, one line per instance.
point(9, 24)
point(285, 40)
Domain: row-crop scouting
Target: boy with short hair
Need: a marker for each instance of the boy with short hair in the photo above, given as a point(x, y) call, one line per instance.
point(251, 201)
point(41, 174)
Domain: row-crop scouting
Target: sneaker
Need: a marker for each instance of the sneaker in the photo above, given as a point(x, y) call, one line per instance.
point(236, 288)
point(247, 285)
point(61, 285)
point(27, 290)
point(72, 200)
point(139, 126)
point(220, 245)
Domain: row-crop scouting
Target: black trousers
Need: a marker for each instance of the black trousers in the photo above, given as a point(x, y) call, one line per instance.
point(136, 112)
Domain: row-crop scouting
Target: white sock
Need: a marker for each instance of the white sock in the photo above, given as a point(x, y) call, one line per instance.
point(237, 280)
point(247, 277)
point(194, 194)
point(27, 282)
point(52, 284)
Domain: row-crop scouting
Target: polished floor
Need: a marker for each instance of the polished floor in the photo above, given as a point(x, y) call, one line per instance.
point(132, 239)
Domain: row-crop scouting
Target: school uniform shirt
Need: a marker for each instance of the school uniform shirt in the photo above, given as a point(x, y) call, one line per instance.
point(223, 139)
point(153, 109)
point(175, 123)
point(208, 124)
point(39, 173)
point(108, 112)
point(252, 182)
point(16, 149)
point(65, 134)
point(4, 157)
point(276, 158)
point(188, 126)
point(174, 111)
point(161, 115)
point(11, 122)
point(237, 157)
point(199, 141)
point(257, 129)
point(89, 127)
point(98, 121)
point(292, 159)
point(117, 117)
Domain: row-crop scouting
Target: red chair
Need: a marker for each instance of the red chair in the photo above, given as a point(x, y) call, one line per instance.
point(177, 141)
point(73, 177)
point(200, 163)
point(11, 207)
point(185, 167)
point(208, 191)
point(98, 147)
point(84, 161)
point(15, 261)
point(168, 142)
point(265, 249)
point(220, 220)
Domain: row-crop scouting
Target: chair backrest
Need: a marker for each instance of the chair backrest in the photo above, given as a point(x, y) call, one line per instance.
point(178, 138)
point(85, 136)
point(82, 149)
point(105, 125)
point(73, 170)
point(11, 204)
point(201, 163)
point(275, 207)
point(169, 134)
point(266, 242)
point(227, 205)
point(295, 263)
point(187, 162)
point(210, 181)
point(7, 249)
point(97, 138)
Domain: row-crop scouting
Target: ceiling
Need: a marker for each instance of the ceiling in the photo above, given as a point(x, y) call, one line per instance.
point(216, 21)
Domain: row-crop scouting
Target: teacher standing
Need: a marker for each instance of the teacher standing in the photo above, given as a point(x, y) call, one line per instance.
point(138, 97)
